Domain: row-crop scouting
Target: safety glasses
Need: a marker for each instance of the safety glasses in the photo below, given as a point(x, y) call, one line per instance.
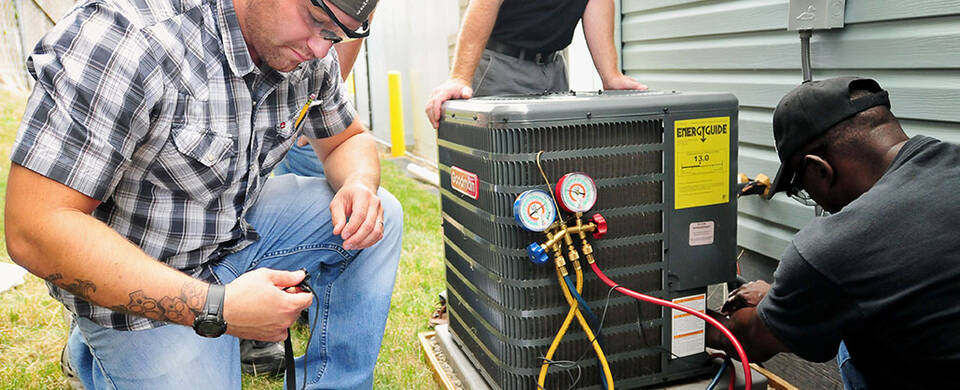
point(348, 35)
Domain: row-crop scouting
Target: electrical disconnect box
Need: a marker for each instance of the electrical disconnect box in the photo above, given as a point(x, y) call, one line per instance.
point(664, 164)
point(815, 14)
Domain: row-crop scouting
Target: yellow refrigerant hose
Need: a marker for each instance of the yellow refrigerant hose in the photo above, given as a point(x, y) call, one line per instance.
point(541, 380)
point(586, 329)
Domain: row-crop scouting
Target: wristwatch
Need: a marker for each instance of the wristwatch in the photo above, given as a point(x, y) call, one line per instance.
point(210, 323)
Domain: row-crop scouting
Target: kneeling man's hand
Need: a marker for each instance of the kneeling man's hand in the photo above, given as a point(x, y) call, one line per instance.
point(256, 307)
point(748, 295)
point(365, 224)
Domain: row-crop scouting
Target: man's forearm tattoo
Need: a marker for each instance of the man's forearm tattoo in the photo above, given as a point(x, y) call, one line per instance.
point(79, 287)
point(173, 309)
point(177, 309)
point(195, 295)
point(52, 278)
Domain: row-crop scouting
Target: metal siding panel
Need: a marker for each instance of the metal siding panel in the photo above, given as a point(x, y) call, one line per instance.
point(782, 215)
point(772, 50)
point(919, 94)
point(712, 19)
point(922, 43)
point(877, 10)
point(755, 160)
point(762, 237)
point(910, 47)
point(944, 131)
point(917, 43)
point(855, 11)
point(753, 89)
point(756, 128)
point(910, 90)
point(781, 210)
point(647, 5)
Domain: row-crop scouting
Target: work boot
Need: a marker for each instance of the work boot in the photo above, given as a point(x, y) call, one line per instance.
point(439, 315)
point(261, 357)
point(69, 374)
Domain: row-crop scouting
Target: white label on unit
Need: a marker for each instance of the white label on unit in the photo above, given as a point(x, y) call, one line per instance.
point(701, 233)
point(687, 336)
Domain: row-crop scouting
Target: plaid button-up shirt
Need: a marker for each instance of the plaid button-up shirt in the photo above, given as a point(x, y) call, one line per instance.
point(156, 109)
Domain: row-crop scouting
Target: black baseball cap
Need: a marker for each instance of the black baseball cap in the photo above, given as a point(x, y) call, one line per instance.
point(811, 109)
point(358, 9)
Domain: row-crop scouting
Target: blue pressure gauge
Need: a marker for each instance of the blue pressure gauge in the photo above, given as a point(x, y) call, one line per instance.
point(533, 209)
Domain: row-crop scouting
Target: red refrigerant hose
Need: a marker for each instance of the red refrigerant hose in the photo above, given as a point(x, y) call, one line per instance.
point(708, 319)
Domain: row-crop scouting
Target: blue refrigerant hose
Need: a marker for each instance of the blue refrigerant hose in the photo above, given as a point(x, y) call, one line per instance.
point(591, 316)
point(585, 308)
point(716, 379)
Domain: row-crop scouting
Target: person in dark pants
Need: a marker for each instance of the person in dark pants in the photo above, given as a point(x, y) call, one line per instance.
point(878, 278)
point(513, 47)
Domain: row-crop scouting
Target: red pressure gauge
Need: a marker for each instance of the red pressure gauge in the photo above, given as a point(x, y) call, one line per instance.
point(576, 192)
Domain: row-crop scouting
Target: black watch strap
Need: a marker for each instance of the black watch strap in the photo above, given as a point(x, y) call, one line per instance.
point(214, 304)
point(210, 322)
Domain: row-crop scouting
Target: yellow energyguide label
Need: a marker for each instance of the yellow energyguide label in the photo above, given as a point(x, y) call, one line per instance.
point(702, 162)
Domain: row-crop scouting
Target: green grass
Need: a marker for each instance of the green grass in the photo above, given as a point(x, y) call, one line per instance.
point(32, 329)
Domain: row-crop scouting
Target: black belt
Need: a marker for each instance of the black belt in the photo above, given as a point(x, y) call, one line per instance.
point(523, 54)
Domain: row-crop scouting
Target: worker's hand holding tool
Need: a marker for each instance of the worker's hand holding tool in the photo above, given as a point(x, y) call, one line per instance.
point(257, 307)
point(451, 89)
point(748, 295)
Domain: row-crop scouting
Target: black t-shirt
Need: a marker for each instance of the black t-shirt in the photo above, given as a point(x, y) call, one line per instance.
point(883, 275)
point(538, 25)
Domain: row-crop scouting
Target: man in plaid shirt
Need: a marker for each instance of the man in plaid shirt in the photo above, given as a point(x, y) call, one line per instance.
point(140, 190)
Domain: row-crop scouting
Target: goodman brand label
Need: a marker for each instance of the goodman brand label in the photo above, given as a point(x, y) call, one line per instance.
point(687, 337)
point(702, 162)
point(465, 182)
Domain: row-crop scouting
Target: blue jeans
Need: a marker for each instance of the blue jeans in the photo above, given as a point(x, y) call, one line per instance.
point(300, 161)
point(851, 377)
point(353, 287)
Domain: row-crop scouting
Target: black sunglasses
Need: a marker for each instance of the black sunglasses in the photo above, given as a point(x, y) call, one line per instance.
point(362, 32)
point(796, 183)
point(795, 187)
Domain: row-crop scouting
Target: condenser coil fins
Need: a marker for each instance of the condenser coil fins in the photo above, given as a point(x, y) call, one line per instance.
point(664, 164)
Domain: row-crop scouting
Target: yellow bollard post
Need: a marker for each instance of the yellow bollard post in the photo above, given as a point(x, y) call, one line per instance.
point(351, 87)
point(398, 145)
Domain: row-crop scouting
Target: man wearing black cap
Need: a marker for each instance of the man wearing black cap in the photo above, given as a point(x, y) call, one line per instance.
point(140, 190)
point(879, 278)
